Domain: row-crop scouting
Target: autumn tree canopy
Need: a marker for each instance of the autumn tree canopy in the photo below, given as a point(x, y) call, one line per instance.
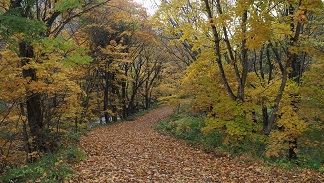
point(253, 64)
point(65, 64)
point(251, 71)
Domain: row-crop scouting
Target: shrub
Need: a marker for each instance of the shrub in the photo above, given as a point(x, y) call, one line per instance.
point(213, 139)
point(51, 168)
point(189, 128)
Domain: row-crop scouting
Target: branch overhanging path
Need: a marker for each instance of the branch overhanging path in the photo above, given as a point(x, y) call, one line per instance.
point(133, 152)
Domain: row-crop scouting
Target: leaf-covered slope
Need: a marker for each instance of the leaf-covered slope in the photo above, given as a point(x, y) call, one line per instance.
point(133, 152)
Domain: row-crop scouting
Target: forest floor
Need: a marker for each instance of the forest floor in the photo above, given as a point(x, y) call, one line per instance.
point(132, 151)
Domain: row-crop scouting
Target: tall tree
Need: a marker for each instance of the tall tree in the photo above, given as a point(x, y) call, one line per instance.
point(28, 22)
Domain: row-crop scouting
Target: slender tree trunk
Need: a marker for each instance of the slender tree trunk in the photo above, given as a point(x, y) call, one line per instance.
point(261, 64)
point(265, 116)
point(25, 133)
point(131, 106)
point(76, 124)
point(218, 51)
point(146, 95)
point(278, 98)
point(115, 92)
point(242, 79)
point(124, 93)
point(292, 149)
point(269, 64)
point(98, 104)
point(106, 96)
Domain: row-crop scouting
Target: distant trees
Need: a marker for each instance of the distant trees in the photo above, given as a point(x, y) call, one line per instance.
point(126, 62)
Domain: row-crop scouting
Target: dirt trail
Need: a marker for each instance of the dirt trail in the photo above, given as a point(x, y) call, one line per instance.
point(133, 152)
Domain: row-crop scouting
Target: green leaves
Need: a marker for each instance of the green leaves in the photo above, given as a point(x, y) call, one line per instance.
point(64, 5)
point(65, 51)
point(20, 26)
point(51, 168)
point(57, 44)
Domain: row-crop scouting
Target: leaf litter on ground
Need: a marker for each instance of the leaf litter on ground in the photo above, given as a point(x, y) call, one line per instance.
point(132, 151)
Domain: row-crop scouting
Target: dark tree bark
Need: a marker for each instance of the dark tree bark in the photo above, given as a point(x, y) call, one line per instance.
point(115, 93)
point(33, 100)
point(295, 74)
point(106, 93)
point(265, 116)
point(124, 93)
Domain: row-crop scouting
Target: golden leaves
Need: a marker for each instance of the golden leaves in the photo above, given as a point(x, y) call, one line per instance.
point(310, 5)
point(11, 83)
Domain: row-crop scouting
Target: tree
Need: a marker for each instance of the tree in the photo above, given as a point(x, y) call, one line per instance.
point(27, 25)
point(260, 53)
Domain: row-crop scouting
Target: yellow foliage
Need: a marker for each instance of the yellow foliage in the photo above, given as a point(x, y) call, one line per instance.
point(269, 32)
point(202, 82)
point(312, 92)
point(280, 30)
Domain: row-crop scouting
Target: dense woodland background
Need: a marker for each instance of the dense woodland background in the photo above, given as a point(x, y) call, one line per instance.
point(245, 76)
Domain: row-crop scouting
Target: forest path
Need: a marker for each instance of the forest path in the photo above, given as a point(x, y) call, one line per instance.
point(133, 152)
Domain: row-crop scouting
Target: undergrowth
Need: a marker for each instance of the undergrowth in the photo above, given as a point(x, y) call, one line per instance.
point(186, 126)
point(54, 167)
point(51, 168)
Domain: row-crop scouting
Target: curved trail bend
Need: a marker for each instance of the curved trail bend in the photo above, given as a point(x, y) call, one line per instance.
point(133, 152)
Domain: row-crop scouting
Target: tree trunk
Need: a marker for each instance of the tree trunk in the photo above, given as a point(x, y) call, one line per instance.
point(292, 149)
point(244, 59)
point(294, 74)
point(106, 97)
point(115, 92)
point(265, 116)
point(33, 100)
point(269, 64)
point(146, 93)
point(131, 106)
point(25, 134)
point(124, 93)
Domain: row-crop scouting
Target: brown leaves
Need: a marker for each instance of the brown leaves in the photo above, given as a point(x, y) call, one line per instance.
point(133, 152)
